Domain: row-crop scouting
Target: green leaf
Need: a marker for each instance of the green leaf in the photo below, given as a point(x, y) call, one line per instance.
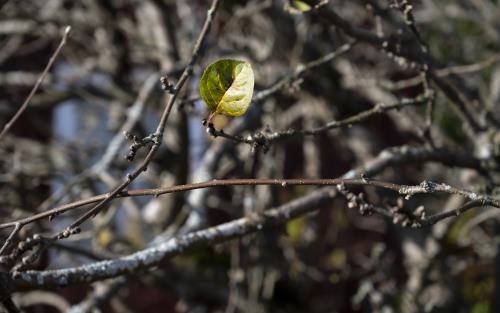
point(302, 6)
point(227, 87)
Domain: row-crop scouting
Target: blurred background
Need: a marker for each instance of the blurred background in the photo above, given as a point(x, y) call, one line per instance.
point(69, 145)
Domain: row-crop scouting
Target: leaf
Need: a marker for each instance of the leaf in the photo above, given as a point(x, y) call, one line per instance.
point(227, 87)
point(301, 5)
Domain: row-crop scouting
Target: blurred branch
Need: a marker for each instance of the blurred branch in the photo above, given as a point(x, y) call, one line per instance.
point(133, 115)
point(447, 71)
point(419, 58)
point(103, 291)
point(418, 155)
point(288, 80)
point(24, 106)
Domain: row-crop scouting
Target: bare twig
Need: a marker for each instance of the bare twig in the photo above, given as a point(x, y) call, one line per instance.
point(301, 70)
point(289, 79)
point(433, 219)
point(187, 187)
point(407, 9)
point(444, 72)
point(419, 58)
point(147, 258)
point(17, 228)
point(425, 187)
point(158, 133)
point(134, 113)
point(267, 137)
point(388, 157)
point(24, 106)
point(418, 155)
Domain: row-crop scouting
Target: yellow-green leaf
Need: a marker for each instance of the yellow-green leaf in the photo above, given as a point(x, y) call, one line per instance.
point(302, 6)
point(227, 87)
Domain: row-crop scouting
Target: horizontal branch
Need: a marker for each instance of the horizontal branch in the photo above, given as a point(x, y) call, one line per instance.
point(266, 138)
point(208, 184)
point(388, 157)
point(418, 155)
point(153, 256)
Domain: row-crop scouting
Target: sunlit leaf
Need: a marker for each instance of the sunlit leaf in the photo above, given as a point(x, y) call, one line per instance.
point(301, 5)
point(227, 87)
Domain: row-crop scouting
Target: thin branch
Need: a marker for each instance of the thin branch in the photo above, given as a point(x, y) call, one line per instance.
point(407, 9)
point(418, 155)
point(419, 58)
point(133, 115)
point(433, 219)
point(289, 79)
point(181, 188)
point(428, 187)
point(445, 72)
point(388, 157)
point(17, 228)
point(158, 133)
point(300, 70)
point(148, 257)
point(425, 187)
point(267, 137)
point(153, 256)
point(24, 106)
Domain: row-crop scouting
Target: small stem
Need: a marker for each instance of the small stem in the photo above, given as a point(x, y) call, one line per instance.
point(210, 117)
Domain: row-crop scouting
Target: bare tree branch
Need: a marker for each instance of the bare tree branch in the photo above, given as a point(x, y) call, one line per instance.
point(24, 106)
